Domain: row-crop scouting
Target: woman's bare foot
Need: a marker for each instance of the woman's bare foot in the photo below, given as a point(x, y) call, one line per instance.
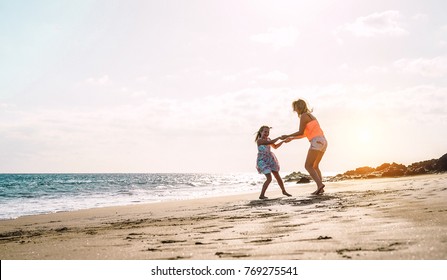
point(263, 197)
point(320, 190)
point(286, 193)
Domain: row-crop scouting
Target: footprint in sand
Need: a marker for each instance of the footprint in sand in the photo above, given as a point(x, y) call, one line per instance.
point(232, 255)
point(172, 241)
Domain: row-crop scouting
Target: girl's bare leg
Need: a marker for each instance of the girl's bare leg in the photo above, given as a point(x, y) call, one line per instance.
point(280, 183)
point(265, 186)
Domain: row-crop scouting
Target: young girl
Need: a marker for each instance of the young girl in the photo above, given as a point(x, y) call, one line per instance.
point(266, 162)
point(310, 128)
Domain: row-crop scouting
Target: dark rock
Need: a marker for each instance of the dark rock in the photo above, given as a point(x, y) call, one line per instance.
point(422, 167)
point(303, 180)
point(441, 165)
point(394, 170)
point(383, 167)
point(363, 170)
point(297, 177)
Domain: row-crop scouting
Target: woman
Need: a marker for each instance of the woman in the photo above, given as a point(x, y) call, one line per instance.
point(310, 128)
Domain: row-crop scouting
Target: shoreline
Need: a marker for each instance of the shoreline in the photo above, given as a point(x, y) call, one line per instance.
point(390, 218)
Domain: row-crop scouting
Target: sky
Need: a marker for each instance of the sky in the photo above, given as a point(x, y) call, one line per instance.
point(183, 86)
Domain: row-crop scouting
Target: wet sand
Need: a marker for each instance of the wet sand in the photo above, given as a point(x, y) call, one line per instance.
point(378, 219)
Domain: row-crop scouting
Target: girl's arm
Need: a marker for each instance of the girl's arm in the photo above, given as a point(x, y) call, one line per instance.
point(267, 142)
point(276, 146)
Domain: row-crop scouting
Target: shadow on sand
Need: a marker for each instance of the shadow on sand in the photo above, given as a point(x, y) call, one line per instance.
point(311, 199)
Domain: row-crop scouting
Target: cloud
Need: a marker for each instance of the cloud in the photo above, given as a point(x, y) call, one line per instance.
point(139, 93)
point(420, 16)
point(142, 79)
point(6, 106)
point(374, 69)
point(230, 78)
point(431, 67)
point(386, 23)
point(274, 76)
point(245, 74)
point(278, 37)
point(101, 81)
point(160, 129)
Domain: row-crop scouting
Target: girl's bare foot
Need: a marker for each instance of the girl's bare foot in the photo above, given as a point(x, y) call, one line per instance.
point(263, 197)
point(286, 193)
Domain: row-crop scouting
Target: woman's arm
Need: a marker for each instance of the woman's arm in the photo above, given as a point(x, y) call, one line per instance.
point(288, 139)
point(300, 133)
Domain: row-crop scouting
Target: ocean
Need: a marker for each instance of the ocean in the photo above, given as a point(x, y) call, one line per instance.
point(31, 194)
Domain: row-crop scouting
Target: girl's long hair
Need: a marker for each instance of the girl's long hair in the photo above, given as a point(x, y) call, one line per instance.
point(258, 134)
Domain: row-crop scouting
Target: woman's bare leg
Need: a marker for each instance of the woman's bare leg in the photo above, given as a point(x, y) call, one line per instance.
point(314, 157)
point(317, 168)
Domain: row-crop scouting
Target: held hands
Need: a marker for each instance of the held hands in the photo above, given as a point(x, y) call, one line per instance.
point(285, 139)
point(276, 146)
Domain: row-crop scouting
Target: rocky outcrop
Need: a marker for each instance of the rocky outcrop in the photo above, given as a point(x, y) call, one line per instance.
point(298, 178)
point(395, 170)
point(431, 166)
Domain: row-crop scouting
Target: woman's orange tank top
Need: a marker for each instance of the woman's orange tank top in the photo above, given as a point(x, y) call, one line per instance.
point(313, 130)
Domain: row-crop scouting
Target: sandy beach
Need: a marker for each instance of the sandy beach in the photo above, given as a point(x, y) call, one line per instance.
point(395, 218)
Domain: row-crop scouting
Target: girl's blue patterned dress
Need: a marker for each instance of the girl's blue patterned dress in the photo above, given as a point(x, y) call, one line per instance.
point(266, 161)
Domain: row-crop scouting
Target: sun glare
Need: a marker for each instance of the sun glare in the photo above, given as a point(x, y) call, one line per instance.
point(364, 136)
